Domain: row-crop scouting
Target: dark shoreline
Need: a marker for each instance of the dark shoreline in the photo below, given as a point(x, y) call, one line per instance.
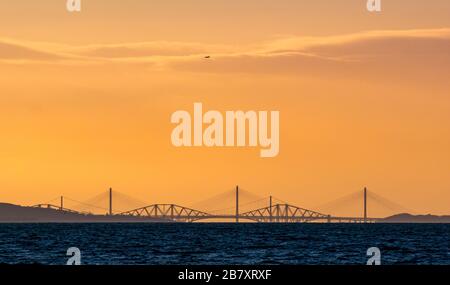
point(10, 213)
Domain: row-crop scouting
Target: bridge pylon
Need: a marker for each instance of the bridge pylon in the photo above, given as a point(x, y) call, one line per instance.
point(365, 205)
point(237, 203)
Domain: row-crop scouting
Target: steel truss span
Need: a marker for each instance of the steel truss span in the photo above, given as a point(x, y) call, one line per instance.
point(170, 212)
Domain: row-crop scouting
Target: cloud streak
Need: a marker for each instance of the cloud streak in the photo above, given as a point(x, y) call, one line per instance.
point(426, 47)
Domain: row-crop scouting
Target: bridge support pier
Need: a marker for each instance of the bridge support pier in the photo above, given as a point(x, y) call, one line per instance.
point(110, 202)
point(237, 204)
point(270, 209)
point(365, 205)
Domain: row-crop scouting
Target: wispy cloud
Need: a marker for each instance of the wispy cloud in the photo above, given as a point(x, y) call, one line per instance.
point(291, 53)
point(16, 51)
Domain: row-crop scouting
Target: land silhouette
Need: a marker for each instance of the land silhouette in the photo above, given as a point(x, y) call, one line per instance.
point(10, 213)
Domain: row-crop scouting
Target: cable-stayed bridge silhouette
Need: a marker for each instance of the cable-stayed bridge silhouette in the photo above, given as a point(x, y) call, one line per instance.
point(263, 210)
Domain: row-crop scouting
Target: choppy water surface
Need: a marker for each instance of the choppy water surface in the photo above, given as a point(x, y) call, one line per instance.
point(225, 243)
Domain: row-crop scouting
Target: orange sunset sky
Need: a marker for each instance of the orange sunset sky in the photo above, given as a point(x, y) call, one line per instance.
point(86, 99)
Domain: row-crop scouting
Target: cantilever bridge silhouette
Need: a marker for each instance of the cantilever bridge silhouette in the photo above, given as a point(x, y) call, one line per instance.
point(272, 213)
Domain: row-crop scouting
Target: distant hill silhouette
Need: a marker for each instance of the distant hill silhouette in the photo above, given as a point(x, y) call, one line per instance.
point(10, 213)
point(408, 218)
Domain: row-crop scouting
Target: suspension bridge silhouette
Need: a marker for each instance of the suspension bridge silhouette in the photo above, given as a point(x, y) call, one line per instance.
point(276, 211)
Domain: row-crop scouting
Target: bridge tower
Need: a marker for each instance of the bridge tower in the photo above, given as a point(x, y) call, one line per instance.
point(270, 208)
point(61, 207)
point(237, 204)
point(110, 202)
point(365, 204)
